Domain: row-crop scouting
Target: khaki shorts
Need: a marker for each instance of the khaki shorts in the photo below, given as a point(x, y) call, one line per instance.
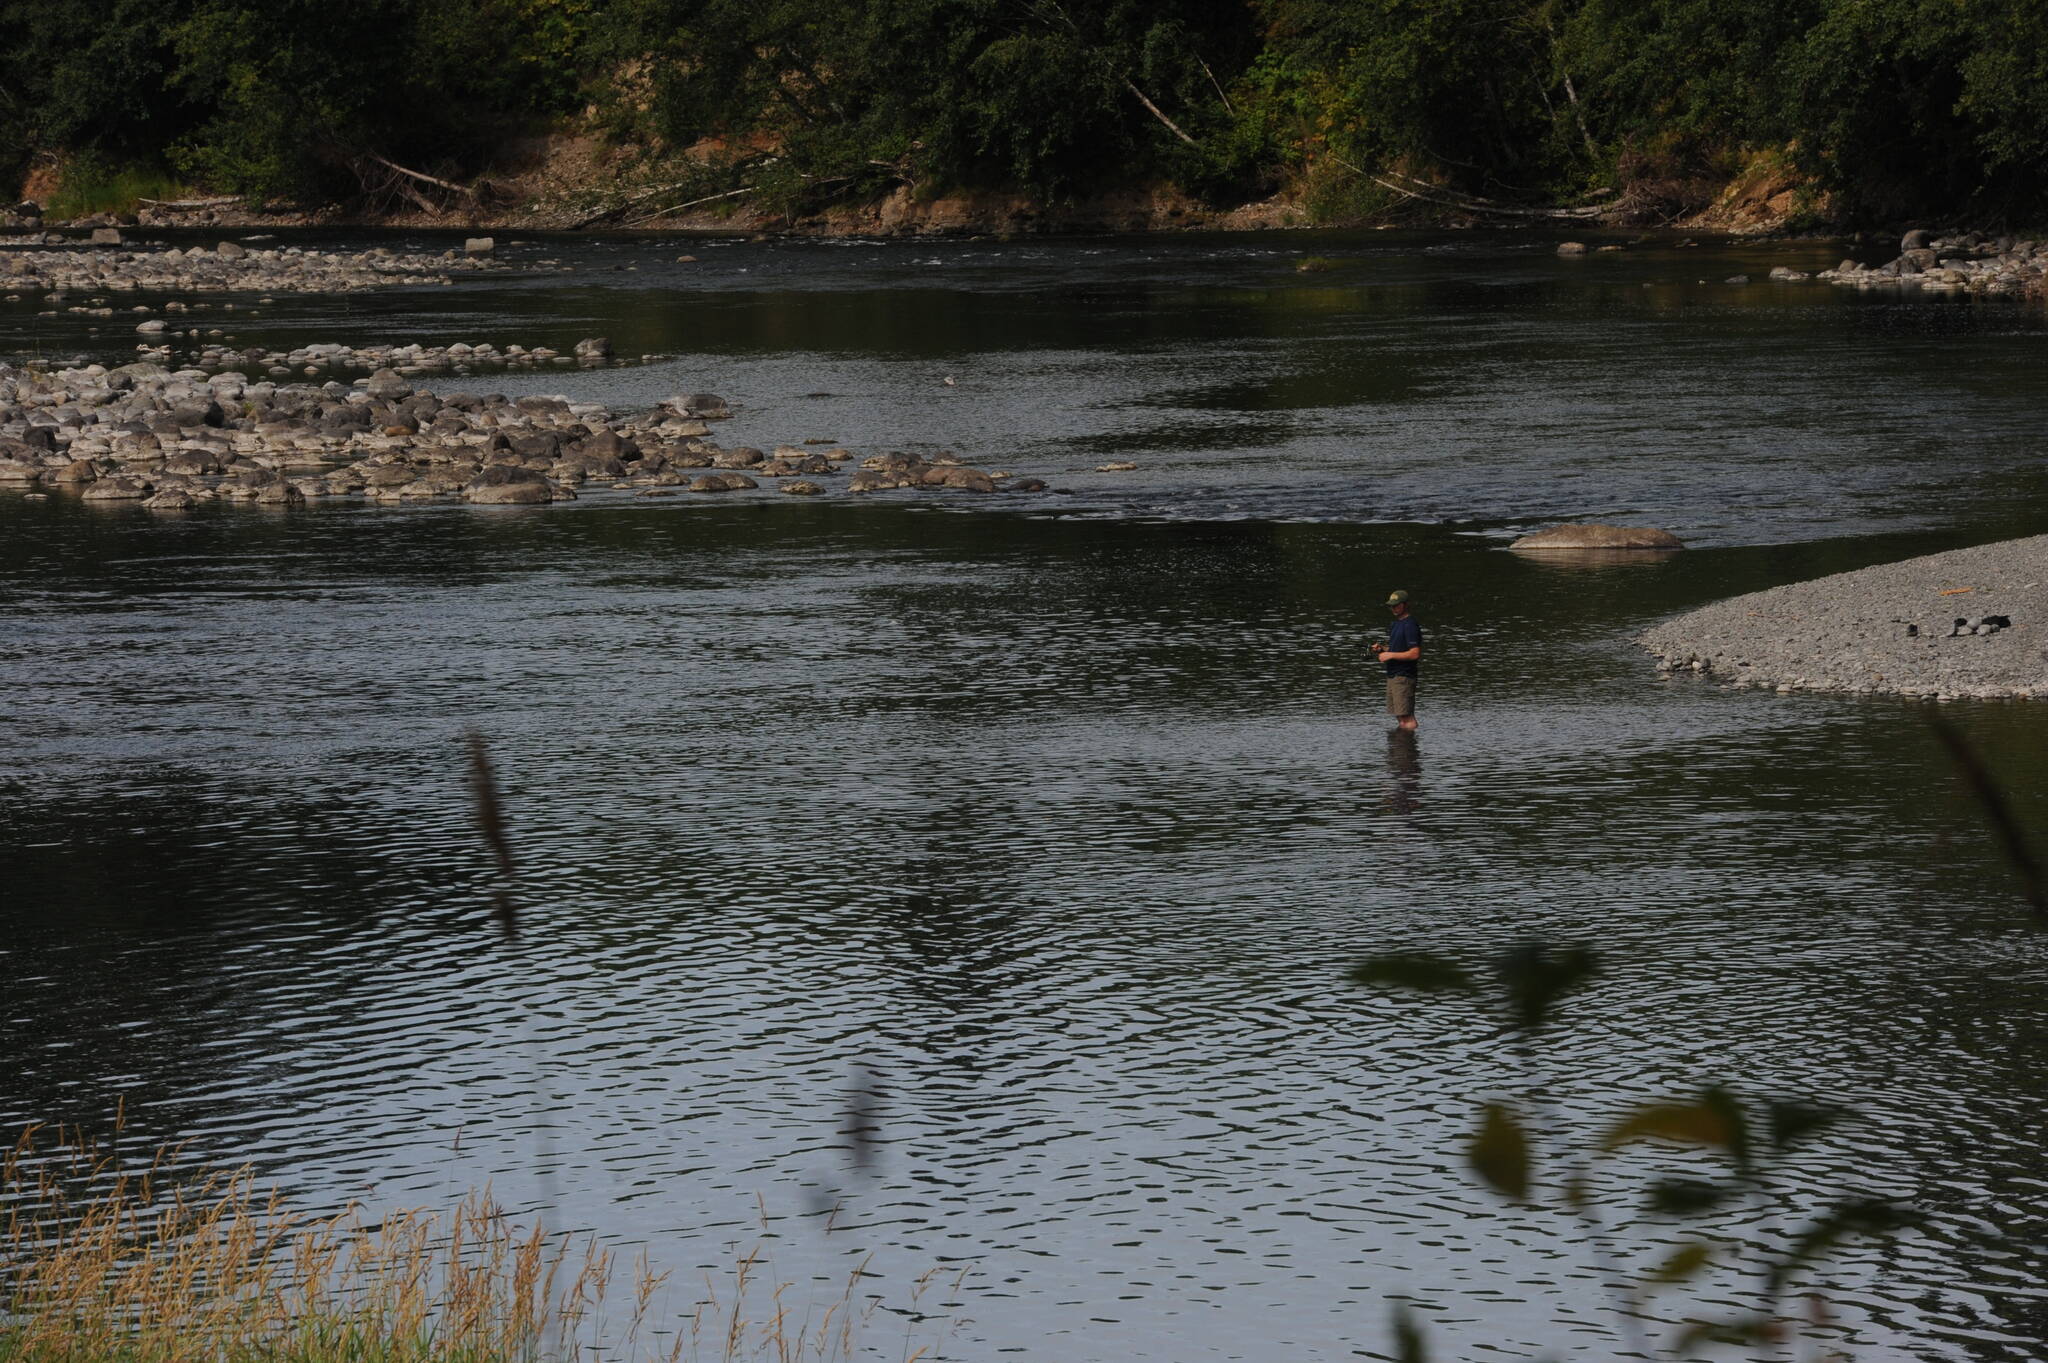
point(1400, 697)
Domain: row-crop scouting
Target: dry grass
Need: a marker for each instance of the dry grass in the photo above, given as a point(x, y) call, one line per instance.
point(112, 1264)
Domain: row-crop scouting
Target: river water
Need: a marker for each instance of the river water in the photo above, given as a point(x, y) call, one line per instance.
point(1053, 824)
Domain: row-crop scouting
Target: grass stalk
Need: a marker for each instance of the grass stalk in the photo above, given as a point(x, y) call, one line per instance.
point(105, 1263)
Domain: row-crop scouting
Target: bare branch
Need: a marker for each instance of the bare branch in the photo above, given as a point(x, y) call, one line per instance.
point(464, 190)
point(1227, 107)
point(1172, 127)
point(692, 203)
point(1467, 204)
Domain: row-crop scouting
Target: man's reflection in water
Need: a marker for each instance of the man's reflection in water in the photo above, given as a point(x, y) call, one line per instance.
point(1404, 767)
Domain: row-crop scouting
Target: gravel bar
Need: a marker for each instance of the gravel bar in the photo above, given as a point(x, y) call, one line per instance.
point(1966, 623)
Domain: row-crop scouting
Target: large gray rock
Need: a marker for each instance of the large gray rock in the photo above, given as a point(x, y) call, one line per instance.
point(511, 494)
point(706, 405)
point(508, 485)
point(723, 482)
point(597, 465)
point(881, 480)
point(191, 463)
point(1599, 537)
point(117, 490)
point(106, 236)
point(961, 477)
point(479, 246)
point(539, 445)
point(203, 412)
point(607, 445)
point(388, 383)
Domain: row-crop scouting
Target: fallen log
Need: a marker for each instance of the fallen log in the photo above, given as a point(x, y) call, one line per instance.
point(1478, 207)
point(465, 190)
point(692, 203)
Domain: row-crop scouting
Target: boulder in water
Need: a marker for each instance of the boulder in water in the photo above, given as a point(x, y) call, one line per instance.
point(723, 482)
point(508, 485)
point(117, 490)
point(1599, 537)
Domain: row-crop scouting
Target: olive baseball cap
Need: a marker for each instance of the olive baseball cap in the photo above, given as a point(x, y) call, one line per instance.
point(1397, 598)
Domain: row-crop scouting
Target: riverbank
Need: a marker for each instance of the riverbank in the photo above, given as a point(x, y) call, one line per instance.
point(574, 181)
point(1967, 623)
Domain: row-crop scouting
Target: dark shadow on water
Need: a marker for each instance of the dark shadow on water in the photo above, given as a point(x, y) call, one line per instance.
point(1404, 772)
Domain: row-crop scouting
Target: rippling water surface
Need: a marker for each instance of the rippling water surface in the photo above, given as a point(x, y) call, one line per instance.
point(1055, 827)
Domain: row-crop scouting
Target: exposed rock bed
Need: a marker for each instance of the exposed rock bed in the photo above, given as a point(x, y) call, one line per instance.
point(227, 267)
point(1968, 263)
point(1967, 623)
point(406, 360)
point(175, 440)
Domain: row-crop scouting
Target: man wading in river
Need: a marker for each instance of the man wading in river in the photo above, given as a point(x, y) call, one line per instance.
point(1402, 653)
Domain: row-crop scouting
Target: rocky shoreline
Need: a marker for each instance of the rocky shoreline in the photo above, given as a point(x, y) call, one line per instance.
point(459, 358)
point(1970, 262)
point(1969, 623)
point(227, 267)
point(174, 440)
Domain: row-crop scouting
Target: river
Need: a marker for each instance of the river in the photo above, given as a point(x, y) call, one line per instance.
point(1057, 820)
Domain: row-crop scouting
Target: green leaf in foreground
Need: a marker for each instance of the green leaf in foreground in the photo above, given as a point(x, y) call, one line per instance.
point(1499, 1154)
point(1686, 1196)
point(1716, 1119)
point(1536, 977)
point(1735, 1330)
point(1856, 1217)
point(1682, 1263)
point(1409, 1345)
point(1420, 971)
point(1791, 1120)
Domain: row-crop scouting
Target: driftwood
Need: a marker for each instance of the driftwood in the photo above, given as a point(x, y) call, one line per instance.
point(467, 191)
point(187, 205)
point(692, 203)
point(612, 210)
point(380, 175)
point(1464, 203)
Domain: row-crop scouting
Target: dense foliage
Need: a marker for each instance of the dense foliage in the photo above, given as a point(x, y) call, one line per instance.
point(1894, 106)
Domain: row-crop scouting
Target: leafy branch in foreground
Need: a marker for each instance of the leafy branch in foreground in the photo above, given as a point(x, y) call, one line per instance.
point(1525, 986)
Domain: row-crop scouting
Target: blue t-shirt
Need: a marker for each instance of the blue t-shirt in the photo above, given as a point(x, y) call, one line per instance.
point(1405, 635)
